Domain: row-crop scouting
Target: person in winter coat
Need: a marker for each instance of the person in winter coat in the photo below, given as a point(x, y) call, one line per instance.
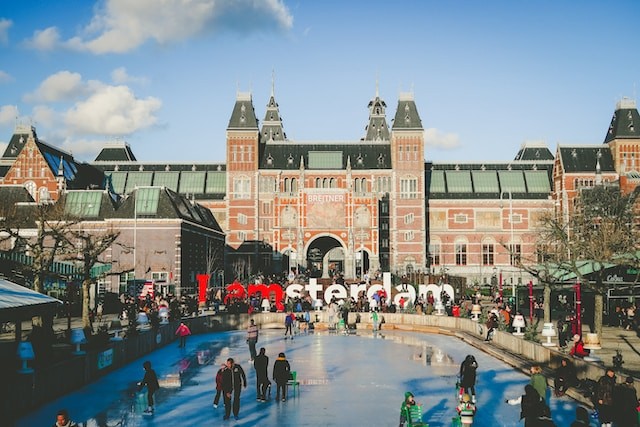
point(219, 375)
point(62, 419)
point(565, 377)
point(252, 338)
point(183, 332)
point(233, 379)
point(582, 418)
point(261, 363)
point(538, 381)
point(578, 349)
point(625, 403)
point(150, 380)
point(468, 377)
point(530, 406)
point(405, 409)
point(288, 325)
point(604, 397)
point(492, 324)
point(466, 410)
point(281, 374)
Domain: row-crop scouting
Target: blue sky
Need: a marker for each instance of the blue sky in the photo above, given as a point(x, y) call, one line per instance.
point(163, 74)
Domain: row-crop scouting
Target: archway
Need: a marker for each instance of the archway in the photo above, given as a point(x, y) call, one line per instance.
point(325, 257)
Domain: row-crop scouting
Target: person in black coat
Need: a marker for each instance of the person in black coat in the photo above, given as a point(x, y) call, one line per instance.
point(233, 380)
point(468, 377)
point(281, 374)
point(531, 406)
point(565, 377)
point(625, 402)
point(151, 381)
point(261, 363)
point(582, 417)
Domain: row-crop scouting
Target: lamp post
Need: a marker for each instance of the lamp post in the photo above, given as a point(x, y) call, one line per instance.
point(511, 241)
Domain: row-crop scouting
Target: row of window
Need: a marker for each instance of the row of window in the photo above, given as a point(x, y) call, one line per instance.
point(408, 152)
point(408, 186)
point(488, 253)
point(30, 173)
point(239, 154)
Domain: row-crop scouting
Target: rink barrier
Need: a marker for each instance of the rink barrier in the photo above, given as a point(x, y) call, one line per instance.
point(28, 391)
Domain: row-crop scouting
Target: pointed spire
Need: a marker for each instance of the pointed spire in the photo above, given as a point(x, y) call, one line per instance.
point(272, 129)
point(377, 129)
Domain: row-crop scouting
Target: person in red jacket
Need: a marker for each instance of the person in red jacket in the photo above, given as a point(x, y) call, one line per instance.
point(219, 376)
point(578, 349)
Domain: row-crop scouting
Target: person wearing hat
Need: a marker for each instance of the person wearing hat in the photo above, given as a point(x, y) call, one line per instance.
point(281, 374)
point(466, 410)
point(406, 409)
point(604, 398)
point(625, 402)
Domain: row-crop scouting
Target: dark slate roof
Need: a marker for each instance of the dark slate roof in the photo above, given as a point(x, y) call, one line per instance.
point(170, 205)
point(584, 158)
point(534, 152)
point(18, 140)
point(272, 129)
point(326, 156)
point(243, 115)
point(11, 194)
point(522, 180)
point(625, 123)
point(407, 116)
point(4, 169)
point(377, 129)
point(116, 152)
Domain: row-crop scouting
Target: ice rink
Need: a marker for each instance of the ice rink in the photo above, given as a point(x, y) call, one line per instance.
point(346, 380)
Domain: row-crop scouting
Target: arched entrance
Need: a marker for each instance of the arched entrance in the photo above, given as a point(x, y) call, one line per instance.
point(325, 257)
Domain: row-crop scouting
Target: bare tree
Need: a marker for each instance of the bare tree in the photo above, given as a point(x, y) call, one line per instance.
point(89, 246)
point(599, 233)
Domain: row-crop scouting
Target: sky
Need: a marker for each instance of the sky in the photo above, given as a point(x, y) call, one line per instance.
point(163, 75)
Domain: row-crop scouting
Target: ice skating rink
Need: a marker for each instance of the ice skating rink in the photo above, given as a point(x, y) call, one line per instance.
point(345, 380)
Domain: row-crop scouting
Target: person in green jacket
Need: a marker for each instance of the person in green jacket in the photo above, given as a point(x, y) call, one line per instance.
point(538, 381)
point(405, 409)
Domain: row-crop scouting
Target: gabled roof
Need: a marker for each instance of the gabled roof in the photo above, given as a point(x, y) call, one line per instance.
point(12, 194)
point(18, 140)
point(407, 116)
point(534, 151)
point(116, 152)
point(328, 156)
point(585, 158)
point(243, 115)
point(625, 123)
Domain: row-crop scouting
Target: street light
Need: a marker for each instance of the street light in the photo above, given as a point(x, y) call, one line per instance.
point(511, 243)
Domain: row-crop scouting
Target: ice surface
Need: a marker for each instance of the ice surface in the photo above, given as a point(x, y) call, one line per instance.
point(346, 380)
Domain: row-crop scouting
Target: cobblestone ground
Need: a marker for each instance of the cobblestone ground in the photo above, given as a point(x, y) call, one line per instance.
point(346, 380)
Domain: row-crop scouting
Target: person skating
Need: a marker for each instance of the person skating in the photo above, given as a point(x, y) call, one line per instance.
point(468, 377)
point(219, 376)
point(530, 405)
point(281, 374)
point(233, 379)
point(150, 380)
point(62, 419)
point(183, 332)
point(261, 363)
point(405, 409)
point(288, 325)
point(538, 381)
point(466, 410)
point(252, 338)
point(604, 398)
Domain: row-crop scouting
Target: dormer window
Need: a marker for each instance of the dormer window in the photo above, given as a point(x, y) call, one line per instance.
point(193, 168)
point(269, 159)
point(574, 153)
point(290, 160)
point(381, 160)
point(509, 167)
point(141, 168)
point(360, 160)
point(167, 168)
point(219, 168)
point(483, 168)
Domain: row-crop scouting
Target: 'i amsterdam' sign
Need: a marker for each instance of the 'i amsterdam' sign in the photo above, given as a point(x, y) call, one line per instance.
point(317, 291)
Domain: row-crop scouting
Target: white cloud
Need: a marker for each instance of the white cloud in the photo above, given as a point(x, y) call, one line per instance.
point(45, 116)
point(124, 25)
point(436, 138)
point(5, 77)
point(8, 114)
point(112, 110)
point(61, 86)
point(86, 149)
point(120, 76)
point(47, 39)
point(5, 24)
